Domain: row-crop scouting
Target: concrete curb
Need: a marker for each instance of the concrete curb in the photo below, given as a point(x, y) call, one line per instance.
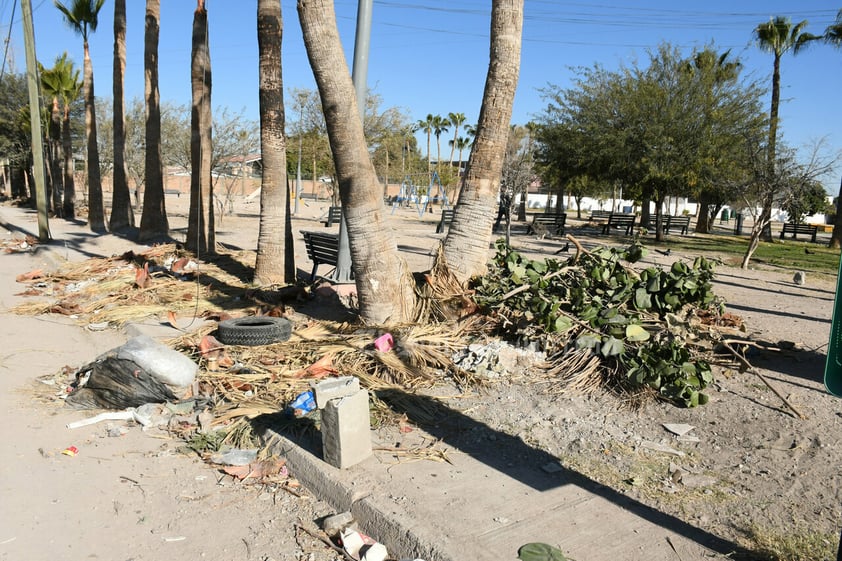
point(328, 484)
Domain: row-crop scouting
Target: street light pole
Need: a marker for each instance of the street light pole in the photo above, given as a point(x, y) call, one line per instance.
point(298, 174)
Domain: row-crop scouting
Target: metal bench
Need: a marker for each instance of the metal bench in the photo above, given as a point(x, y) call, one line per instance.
point(795, 229)
point(322, 249)
point(552, 223)
point(599, 214)
point(620, 220)
point(446, 219)
point(334, 215)
point(682, 223)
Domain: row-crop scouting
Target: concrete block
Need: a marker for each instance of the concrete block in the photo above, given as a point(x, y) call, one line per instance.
point(346, 430)
point(333, 388)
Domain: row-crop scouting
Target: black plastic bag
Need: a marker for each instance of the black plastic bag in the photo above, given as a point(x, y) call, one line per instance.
point(116, 383)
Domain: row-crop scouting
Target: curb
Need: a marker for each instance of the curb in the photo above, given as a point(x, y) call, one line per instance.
point(325, 482)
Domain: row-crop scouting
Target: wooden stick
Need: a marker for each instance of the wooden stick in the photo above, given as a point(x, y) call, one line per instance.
point(751, 369)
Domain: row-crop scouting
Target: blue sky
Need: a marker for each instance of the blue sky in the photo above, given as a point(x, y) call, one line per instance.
point(431, 56)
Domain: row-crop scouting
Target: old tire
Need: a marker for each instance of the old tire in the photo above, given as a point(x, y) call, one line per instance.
point(254, 330)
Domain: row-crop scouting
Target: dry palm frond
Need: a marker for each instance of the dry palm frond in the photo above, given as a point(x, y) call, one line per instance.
point(575, 370)
point(439, 294)
point(429, 452)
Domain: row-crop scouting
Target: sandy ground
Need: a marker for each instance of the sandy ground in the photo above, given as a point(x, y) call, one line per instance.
point(753, 468)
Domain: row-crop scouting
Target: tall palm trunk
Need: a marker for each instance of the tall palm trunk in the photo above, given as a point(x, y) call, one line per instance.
point(153, 220)
point(121, 205)
point(54, 152)
point(385, 286)
point(69, 206)
point(275, 261)
point(96, 209)
point(200, 223)
point(467, 241)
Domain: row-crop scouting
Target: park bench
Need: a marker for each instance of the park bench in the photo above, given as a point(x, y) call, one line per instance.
point(322, 249)
point(600, 214)
point(334, 215)
point(681, 223)
point(620, 220)
point(446, 219)
point(795, 229)
point(543, 223)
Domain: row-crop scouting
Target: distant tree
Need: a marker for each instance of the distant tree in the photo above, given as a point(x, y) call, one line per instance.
point(457, 120)
point(51, 88)
point(427, 126)
point(805, 199)
point(440, 126)
point(83, 17)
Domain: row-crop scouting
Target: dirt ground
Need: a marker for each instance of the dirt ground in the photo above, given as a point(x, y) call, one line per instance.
point(750, 470)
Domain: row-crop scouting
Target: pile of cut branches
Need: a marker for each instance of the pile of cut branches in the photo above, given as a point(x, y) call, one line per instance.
point(605, 324)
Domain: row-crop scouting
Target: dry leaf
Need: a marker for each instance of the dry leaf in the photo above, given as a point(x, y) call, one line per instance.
point(257, 470)
point(319, 369)
point(171, 319)
point(31, 275)
point(141, 276)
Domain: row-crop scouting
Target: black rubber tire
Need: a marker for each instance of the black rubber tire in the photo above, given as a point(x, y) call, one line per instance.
point(254, 330)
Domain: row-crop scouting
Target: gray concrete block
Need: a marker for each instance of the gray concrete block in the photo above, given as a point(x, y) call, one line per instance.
point(346, 430)
point(333, 388)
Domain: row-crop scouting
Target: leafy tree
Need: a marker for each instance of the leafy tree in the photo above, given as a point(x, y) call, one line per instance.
point(440, 126)
point(15, 143)
point(83, 17)
point(51, 87)
point(427, 126)
point(805, 199)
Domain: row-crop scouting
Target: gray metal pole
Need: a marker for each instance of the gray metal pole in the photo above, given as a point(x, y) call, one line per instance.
point(359, 76)
point(298, 176)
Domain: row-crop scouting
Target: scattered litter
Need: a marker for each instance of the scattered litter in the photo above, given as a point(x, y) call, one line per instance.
point(119, 416)
point(175, 539)
point(115, 383)
point(163, 363)
point(658, 447)
point(334, 525)
point(100, 326)
point(235, 457)
point(361, 547)
point(301, 405)
point(678, 429)
point(70, 451)
point(501, 520)
point(384, 343)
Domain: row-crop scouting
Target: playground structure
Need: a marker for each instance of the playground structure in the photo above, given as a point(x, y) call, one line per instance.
point(422, 197)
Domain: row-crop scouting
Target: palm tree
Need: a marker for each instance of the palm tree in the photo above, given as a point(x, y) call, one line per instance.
point(62, 82)
point(467, 241)
point(457, 120)
point(51, 86)
point(153, 219)
point(83, 16)
point(385, 287)
point(201, 236)
point(275, 261)
point(440, 125)
point(426, 125)
point(122, 215)
point(833, 36)
point(777, 36)
point(461, 144)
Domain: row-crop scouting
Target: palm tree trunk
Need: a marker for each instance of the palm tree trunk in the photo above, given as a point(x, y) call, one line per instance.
point(200, 223)
point(69, 206)
point(467, 241)
point(55, 158)
point(385, 287)
point(153, 220)
point(96, 210)
point(275, 263)
point(121, 205)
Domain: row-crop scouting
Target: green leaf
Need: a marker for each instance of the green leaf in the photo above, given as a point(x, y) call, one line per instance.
point(562, 324)
point(642, 299)
point(587, 341)
point(635, 332)
point(612, 347)
point(540, 552)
